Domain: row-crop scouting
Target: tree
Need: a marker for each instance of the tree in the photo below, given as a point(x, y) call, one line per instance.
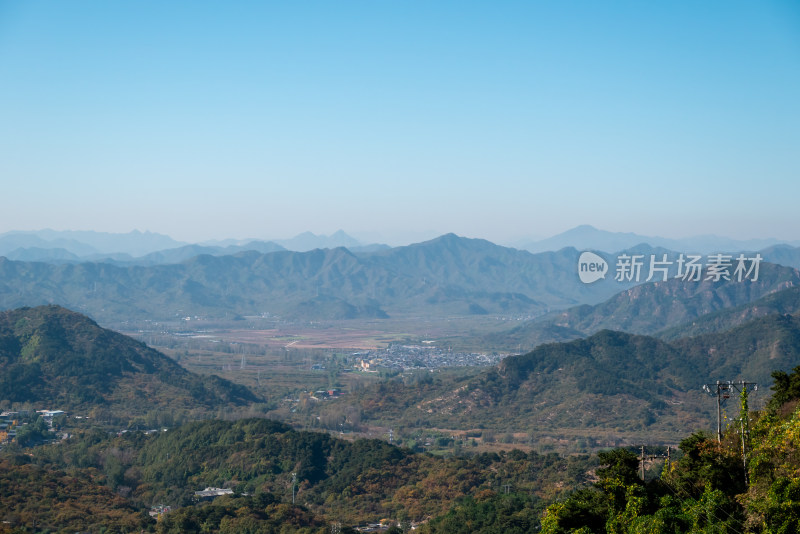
point(33, 432)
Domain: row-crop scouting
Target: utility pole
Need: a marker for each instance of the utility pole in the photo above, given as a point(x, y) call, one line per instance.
point(744, 420)
point(669, 460)
point(641, 463)
point(644, 457)
point(723, 392)
point(294, 481)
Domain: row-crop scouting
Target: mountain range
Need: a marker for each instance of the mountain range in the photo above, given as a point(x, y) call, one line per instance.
point(449, 275)
point(586, 237)
point(147, 248)
point(135, 246)
point(650, 308)
point(88, 243)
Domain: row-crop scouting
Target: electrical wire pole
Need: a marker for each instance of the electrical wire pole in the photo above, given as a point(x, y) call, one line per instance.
point(641, 463)
point(723, 390)
point(294, 482)
point(644, 457)
point(744, 420)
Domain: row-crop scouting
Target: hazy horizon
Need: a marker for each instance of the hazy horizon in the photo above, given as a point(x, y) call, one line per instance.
point(399, 122)
point(369, 238)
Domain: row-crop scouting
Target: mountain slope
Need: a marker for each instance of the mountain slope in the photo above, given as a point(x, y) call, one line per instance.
point(786, 301)
point(650, 308)
point(477, 265)
point(750, 351)
point(783, 255)
point(449, 275)
point(647, 308)
point(609, 386)
point(52, 356)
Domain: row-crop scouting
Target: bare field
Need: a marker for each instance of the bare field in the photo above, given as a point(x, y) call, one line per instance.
point(369, 334)
point(312, 338)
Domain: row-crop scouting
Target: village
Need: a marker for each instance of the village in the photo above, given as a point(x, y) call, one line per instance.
point(425, 356)
point(14, 425)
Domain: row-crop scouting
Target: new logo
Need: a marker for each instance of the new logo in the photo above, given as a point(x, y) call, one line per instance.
point(591, 267)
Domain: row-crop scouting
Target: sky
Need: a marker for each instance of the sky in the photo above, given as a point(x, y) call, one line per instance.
point(401, 120)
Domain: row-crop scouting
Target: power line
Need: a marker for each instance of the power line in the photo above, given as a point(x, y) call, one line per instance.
point(722, 390)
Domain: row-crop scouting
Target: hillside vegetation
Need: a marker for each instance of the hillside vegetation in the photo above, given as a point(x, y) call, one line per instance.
point(51, 356)
point(337, 480)
point(610, 388)
point(748, 482)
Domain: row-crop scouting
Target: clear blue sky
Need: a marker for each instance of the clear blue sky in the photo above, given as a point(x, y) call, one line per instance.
point(398, 120)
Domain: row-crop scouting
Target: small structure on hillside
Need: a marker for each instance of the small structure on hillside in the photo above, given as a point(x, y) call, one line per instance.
point(211, 493)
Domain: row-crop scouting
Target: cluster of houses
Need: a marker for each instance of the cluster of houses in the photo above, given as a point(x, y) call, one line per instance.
point(211, 493)
point(8, 423)
point(11, 421)
point(325, 394)
point(425, 356)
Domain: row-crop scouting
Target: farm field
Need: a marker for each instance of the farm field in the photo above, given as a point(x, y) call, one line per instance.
point(343, 334)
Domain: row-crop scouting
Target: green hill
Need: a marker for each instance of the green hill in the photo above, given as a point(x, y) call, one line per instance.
point(53, 357)
point(336, 479)
point(750, 351)
point(745, 482)
point(612, 387)
point(52, 500)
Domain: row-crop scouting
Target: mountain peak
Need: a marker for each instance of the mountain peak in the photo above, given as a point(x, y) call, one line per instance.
point(310, 241)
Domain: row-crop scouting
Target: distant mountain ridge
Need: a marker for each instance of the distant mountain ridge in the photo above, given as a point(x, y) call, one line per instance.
point(448, 275)
point(586, 237)
point(309, 241)
point(138, 248)
point(86, 243)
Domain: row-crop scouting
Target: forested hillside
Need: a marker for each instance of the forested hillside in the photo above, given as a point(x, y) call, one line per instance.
point(610, 388)
point(54, 357)
point(748, 482)
point(337, 480)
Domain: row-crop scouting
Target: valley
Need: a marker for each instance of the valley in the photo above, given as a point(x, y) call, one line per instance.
point(406, 383)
